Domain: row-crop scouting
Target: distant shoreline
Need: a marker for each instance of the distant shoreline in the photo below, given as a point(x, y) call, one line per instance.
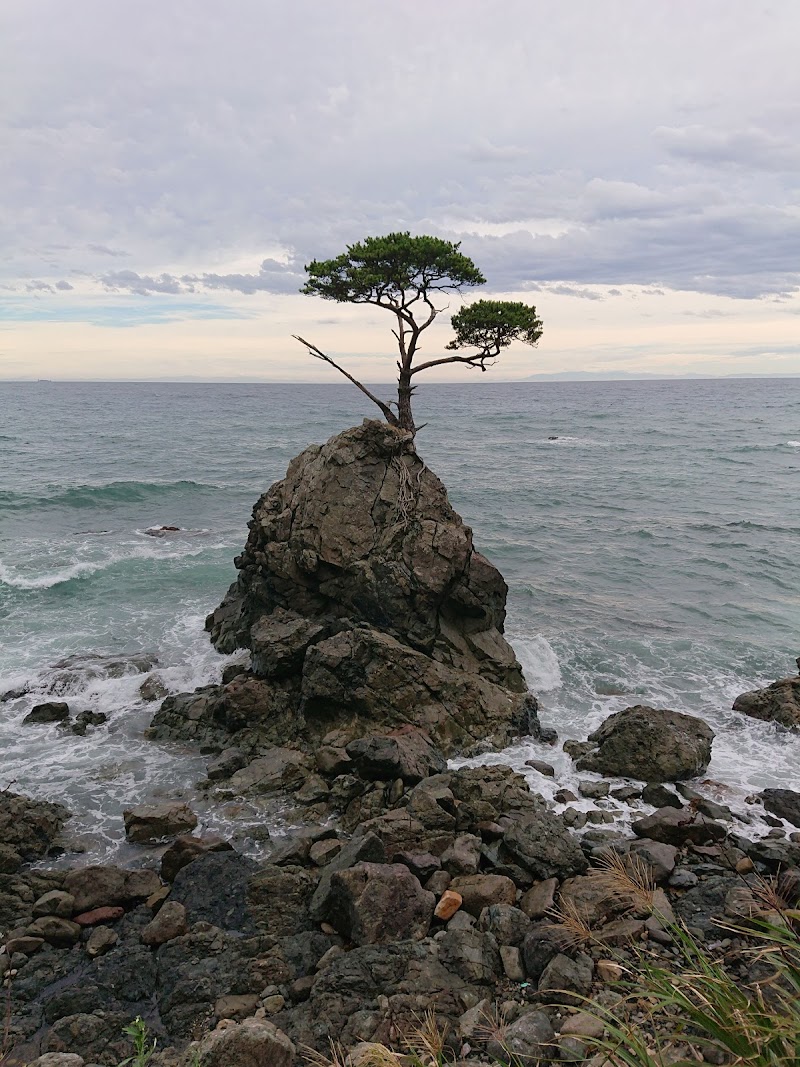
point(579, 378)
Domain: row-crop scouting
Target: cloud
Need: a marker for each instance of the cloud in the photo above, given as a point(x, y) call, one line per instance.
point(130, 281)
point(752, 148)
point(592, 146)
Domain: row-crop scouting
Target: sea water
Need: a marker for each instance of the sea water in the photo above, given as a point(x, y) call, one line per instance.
point(648, 532)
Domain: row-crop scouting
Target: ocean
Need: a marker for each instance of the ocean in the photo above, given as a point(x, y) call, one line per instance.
point(649, 532)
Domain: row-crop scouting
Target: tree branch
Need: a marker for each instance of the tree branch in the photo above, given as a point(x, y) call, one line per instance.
point(388, 414)
point(478, 360)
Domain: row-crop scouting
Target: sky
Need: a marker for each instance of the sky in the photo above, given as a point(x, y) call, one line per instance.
point(168, 169)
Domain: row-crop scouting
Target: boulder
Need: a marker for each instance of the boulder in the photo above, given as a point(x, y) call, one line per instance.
point(28, 827)
point(184, 850)
point(279, 769)
point(152, 822)
point(214, 889)
point(407, 753)
point(169, 923)
point(779, 702)
point(566, 980)
point(251, 1043)
point(542, 845)
point(61, 933)
point(785, 803)
point(51, 711)
point(539, 899)
point(471, 954)
point(56, 902)
point(364, 848)
point(649, 744)
point(101, 887)
point(529, 1040)
point(377, 903)
point(363, 602)
point(479, 891)
point(679, 827)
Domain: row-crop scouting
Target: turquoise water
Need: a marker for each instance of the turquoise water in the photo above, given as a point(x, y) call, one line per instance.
point(650, 550)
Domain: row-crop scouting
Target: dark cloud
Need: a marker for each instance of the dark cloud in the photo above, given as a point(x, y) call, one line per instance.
point(131, 282)
point(64, 286)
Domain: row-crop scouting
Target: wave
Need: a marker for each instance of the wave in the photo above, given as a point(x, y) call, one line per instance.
point(539, 663)
point(89, 496)
point(84, 569)
point(793, 444)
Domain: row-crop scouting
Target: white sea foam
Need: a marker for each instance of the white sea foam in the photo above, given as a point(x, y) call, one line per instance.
point(793, 444)
point(539, 663)
point(79, 568)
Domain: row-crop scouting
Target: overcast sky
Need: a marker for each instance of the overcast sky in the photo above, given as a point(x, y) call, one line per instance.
point(168, 166)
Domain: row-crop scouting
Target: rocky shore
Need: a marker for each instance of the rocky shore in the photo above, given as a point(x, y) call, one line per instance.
point(373, 631)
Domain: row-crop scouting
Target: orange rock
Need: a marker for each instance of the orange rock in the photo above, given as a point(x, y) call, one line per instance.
point(448, 905)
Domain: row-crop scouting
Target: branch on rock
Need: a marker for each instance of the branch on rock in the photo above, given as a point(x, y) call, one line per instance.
point(388, 414)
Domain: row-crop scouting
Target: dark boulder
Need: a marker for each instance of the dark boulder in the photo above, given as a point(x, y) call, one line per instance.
point(785, 803)
point(779, 702)
point(214, 888)
point(52, 711)
point(679, 827)
point(650, 744)
point(27, 827)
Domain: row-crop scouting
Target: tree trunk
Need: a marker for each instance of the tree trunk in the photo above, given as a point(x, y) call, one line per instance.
point(404, 390)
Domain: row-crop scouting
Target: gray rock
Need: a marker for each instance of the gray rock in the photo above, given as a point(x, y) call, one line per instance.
point(153, 822)
point(169, 923)
point(251, 1043)
point(658, 856)
point(185, 850)
point(407, 754)
point(507, 924)
point(471, 954)
point(377, 903)
point(650, 744)
point(214, 889)
point(100, 886)
point(528, 1040)
point(56, 902)
point(58, 1059)
point(479, 891)
point(28, 827)
point(361, 530)
point(228, 762)
point(679, 827)
point(280, 769)
point(564, 976)
point(539, 899)
point(61, 933)
point(659, 796)
point(366, 848)
point(542, 845)
point(779, 702)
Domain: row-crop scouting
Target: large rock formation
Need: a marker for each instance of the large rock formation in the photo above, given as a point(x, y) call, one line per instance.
point(363, 602)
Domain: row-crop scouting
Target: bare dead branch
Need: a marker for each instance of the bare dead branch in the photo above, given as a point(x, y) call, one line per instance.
point(388, 414)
